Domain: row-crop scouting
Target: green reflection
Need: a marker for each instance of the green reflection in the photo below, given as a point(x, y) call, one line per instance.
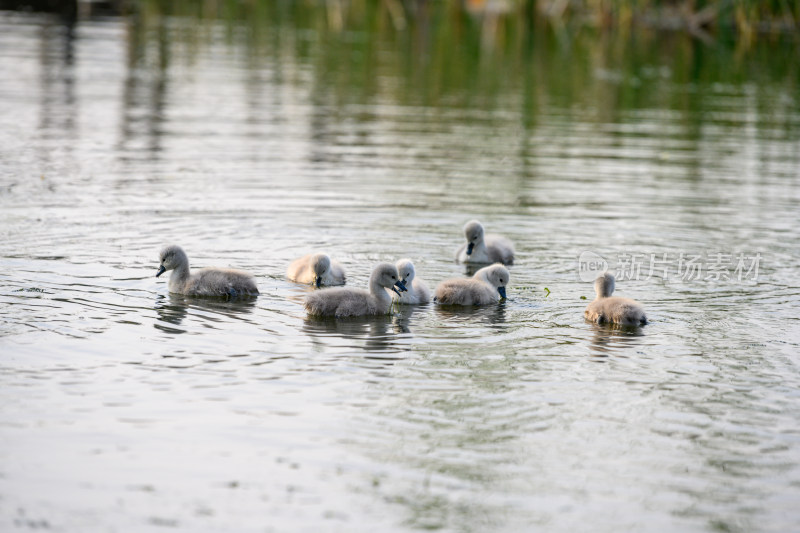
point(442, 57)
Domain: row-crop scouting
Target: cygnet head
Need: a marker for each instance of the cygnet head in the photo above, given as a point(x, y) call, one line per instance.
point(473, 231)
point(406, 270)
point(321, 263)
point(171, 257)
point(497, 275)
point(604, 285)
point(387, 276)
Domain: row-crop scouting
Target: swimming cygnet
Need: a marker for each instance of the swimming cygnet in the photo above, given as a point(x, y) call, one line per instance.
point(346, 301)
point(484, 249)
point(418, 292)
point(206, 281)
point(317, 269)
point(607, 308)
point(487, 286)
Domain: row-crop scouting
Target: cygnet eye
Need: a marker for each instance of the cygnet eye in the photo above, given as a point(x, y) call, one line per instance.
point(394, 277)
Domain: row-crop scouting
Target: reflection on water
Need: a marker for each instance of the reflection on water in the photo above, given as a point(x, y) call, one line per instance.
point(471, 269)
point(371, 333)
point(402, 316)
point(173, 308)
point(611, 339)
point(494, 314)
point(254, 135)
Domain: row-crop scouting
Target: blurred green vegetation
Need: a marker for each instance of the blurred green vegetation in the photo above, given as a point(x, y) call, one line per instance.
point(742, 20)
point(421, 53)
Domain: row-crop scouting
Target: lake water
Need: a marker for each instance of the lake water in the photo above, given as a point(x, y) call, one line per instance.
point(251, 140)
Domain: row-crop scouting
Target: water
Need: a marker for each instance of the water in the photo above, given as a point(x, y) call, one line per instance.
point(251, 142)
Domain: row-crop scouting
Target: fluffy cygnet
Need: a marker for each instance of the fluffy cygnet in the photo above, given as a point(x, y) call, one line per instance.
point(317, 269)
point(481, 248)
point(418, 292)
point(607, 308)
point(206, 281)
point(487, 286)
point(345, 301)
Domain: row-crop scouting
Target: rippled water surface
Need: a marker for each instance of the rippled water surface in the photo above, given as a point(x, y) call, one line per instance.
point(126, 408)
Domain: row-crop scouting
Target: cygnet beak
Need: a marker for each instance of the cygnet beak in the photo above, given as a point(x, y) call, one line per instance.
point(318, 281)
point(470, 246)
point(399, 283)
point(502, 291)
point(161, 270)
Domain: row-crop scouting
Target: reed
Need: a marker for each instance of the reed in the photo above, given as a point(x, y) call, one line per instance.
point(746, 20)
point(441, 55)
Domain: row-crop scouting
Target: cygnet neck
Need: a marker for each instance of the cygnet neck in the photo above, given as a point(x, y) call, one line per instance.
point(604, 286)
point(483, 275)
point(377, 290)
point(180, 273)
